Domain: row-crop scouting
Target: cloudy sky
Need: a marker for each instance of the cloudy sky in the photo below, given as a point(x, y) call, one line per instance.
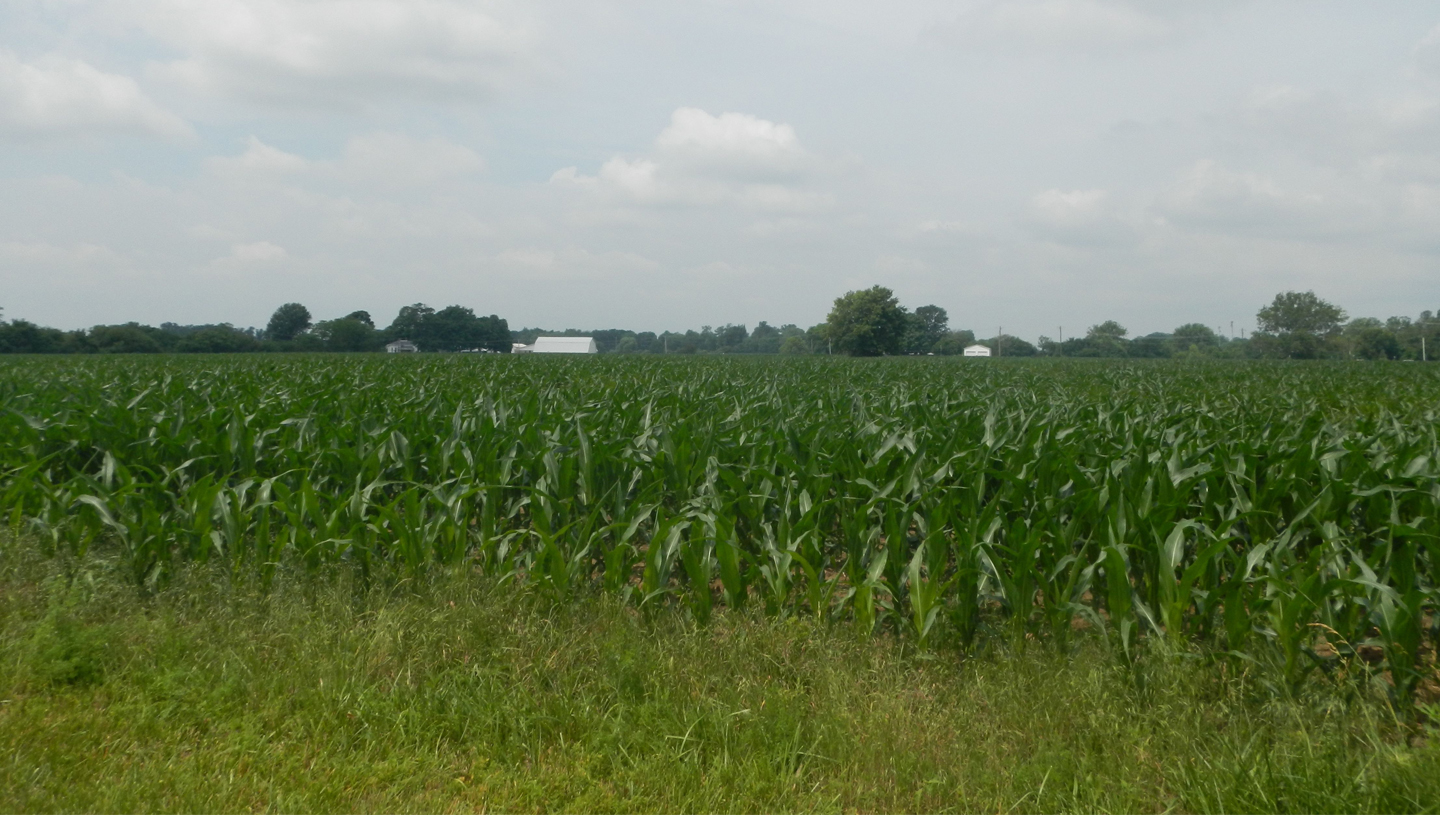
point(664, 165)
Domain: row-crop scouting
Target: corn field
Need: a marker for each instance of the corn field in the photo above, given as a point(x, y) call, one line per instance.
point(1280, 515)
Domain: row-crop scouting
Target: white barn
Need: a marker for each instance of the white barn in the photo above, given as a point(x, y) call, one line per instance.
point(558, 345)
point(977, 350)
point(402, 347)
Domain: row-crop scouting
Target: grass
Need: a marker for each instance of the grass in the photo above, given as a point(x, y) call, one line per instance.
point(459, 694)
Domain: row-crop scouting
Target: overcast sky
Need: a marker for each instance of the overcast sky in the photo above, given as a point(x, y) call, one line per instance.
point(666, 165)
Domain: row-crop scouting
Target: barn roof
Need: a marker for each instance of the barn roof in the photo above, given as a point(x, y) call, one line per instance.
point(564, 345)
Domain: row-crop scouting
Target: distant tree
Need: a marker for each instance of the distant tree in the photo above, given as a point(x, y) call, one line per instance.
point(361, 317)
point(954, 343)
point(1108, 330)
point(627, 345)
point(765, 339)
point(794, 346)
point(730, 338)
point(867, 323)
point(453, 328)
point(347, 334)
point(288, 322)
point(1148, 348)
point(408, 324)
point(1197, 334)
point(1008, 346)
point(1375, 342)
point(924, 328)
point(217, 340)
point(1300, 313)
point(23, 337)
point(131, 338)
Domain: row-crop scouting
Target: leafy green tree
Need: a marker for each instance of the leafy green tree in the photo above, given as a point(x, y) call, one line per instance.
point(730, 338)
point(1108, 330)
point(925, 327)
point(131, 338)
point(765, 339)
point(1008, 346)
point(362, 317)
point(867, 323)
point(217, 340)
point(24, 337)
point(794, 346)
point(1294, 312)
point(347, 334)
point(408, 324)
point(1197, 334)
point(954, 343)
point(288, 322)
point(453, 328)
point(1374, 342)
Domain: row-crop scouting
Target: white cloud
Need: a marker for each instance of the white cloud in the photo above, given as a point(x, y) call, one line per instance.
point(395, 158)
point(46, 254)
point(259, 252)
point(339, 52)
point(65, 97)
point(572, 264)
point(1066, 23)
point(1077, 217)
point(1212, 197)
point(259, 160)
point(384, 159)
point(1427, 52)
point(1080, 218)
point(732, 144)
point(701, 159)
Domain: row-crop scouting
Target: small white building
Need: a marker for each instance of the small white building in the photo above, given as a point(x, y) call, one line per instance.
point(558, 345)
point(402, 347)
point(977, 350)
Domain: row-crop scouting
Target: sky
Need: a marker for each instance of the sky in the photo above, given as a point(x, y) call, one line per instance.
point(1041, 165)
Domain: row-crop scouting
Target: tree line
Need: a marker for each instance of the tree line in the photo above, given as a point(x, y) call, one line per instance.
point(868, 322)
point(291, 328)
point(1295, 325)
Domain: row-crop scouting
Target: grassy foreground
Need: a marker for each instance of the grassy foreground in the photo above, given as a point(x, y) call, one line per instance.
point(462, 695)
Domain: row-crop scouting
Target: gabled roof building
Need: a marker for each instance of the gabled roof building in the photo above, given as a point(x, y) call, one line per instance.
point(559, 345)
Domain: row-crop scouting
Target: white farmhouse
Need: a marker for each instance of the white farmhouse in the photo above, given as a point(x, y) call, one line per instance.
point(402, 347)
point(977, 350)
point(558, 345)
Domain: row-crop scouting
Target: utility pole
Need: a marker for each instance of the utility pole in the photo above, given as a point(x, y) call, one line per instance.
point(1232, 329)
point(1000, 341)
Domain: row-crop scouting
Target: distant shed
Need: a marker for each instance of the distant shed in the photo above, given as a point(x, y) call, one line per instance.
point(559, 345)
point(977, 350)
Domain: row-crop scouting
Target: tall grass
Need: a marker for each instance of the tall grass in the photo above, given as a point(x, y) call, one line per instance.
point(453, 693)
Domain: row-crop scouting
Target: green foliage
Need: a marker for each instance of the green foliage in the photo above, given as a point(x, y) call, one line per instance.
point(867, 323)
point(453, 328)
point(348, 334)
point(1283, 514)
point(1300, 313)
point(1198, 335)
point(453, 693)
point(925, 328)
point(954, 343)
point(288, 322)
